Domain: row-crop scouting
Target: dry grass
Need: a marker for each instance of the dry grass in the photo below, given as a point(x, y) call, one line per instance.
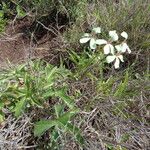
point(16, 133)
point(107, 122)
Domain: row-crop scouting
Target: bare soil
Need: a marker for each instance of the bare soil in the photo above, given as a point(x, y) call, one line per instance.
point(18, 46)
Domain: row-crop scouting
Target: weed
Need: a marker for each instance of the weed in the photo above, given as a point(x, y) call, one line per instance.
point(110, 105)
point(28, 86)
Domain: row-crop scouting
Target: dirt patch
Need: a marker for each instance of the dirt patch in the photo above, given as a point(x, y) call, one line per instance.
point(20, 45)
point(13, 49)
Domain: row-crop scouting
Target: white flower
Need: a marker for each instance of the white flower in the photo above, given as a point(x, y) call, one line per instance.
point(93, 43)
point(124, 34)
point(113, 35)
point(97, 30)
point(117, 58)
point(88, 37)
point(119, 47)
point(123, 47)
point(108, 48)
point(101, 41)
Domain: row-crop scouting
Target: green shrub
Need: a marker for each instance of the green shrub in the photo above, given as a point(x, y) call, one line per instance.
point(41, 8)
point(30, 86)
point(27, 86)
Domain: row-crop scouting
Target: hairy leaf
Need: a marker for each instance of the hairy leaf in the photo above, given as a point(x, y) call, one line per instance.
point(42, 126)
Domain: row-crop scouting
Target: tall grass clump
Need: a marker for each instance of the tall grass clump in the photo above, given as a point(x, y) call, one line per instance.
point(130, 16)
point(113, 97)
point(98, 97)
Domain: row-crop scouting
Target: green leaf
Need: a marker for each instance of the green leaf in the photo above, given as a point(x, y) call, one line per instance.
point(122, 87)
point(1, 105)
point(65, 118)
point(1, 14)
point(67, 100)
point(20, 107)
point(64, 122)
point(146, 44)
point(20, 11)
point(74, 57)
point(51, 73)
point(55, 135)
point(42, 126)
point(76, 132)
point(59, 109)
point(48, 93)
point(1, 117)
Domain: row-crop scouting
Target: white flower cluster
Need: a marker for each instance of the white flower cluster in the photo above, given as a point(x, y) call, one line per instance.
point(115, 51)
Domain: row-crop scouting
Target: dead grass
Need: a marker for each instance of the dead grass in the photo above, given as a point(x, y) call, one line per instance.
point(111, 122)
point(107, 122)
point(16, 133)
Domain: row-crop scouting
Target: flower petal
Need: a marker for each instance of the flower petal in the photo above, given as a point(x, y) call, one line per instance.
point(121, 57)
point(128, 49)
point(110, 59)
point(86, 35)
point(84, 40)
point(93, 43)
point(97, 30)
point(119, 48)
point(111, 48)
point(108, 48)
point(124, 34)
point(125, 48)
point(117, 62)
point(113, 35)
point(101, 41)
